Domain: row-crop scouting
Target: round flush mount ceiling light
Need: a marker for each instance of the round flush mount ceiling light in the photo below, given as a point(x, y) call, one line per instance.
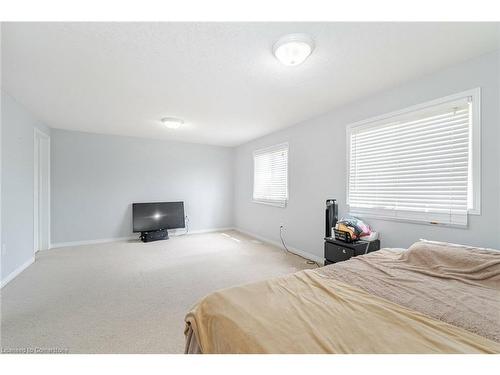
point(293, 49)
point(172, 122)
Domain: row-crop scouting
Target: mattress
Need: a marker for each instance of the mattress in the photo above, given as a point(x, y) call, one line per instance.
point(431, 298)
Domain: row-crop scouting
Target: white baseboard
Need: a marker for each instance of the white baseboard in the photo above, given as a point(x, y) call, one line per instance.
point(303, 254)
point(17, 271)
point(90, 242)
point(172, 233)
point(181, 232)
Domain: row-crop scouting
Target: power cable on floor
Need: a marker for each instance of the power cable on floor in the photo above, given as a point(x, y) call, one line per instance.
point(308, 261)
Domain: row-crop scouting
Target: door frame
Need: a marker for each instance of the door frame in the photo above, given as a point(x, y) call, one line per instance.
point(39, 134)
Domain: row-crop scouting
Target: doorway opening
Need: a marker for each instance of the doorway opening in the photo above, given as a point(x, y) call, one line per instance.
point(41, 219)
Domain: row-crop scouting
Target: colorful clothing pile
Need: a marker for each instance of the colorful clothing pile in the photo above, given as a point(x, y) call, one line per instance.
point(357, 228)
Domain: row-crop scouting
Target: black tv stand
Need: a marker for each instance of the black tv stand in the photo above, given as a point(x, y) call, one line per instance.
point(154, 235)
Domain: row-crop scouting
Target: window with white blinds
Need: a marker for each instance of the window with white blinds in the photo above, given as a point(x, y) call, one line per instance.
point(270, 176)
point(420, 164)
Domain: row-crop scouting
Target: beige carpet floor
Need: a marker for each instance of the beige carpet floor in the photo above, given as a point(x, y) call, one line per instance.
point(129, 297)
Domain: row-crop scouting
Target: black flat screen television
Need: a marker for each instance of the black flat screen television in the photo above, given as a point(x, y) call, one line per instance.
point(155, 216)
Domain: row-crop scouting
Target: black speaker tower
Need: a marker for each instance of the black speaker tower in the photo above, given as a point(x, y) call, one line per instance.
point(331, 216)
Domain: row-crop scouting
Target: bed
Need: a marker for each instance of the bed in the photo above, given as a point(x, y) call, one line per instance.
point(431, 298)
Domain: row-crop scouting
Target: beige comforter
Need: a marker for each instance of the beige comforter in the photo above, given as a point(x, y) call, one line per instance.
point(428, 299)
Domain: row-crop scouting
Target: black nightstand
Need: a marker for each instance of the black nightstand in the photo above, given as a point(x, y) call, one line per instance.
point(338, 251)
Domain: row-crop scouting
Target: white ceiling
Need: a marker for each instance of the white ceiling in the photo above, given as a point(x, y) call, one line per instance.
point(221, 78)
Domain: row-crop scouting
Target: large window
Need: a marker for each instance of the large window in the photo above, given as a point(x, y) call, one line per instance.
point(270, 176)
point(419, 164)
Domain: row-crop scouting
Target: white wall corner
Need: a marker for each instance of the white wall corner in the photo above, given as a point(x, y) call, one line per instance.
point(301, 253)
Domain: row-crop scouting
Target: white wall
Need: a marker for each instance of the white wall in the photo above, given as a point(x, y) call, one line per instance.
point(96, 178)
point(317, 165)
point(17, 184)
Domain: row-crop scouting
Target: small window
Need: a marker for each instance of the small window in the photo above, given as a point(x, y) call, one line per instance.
point(419, 164)
point(270, 175)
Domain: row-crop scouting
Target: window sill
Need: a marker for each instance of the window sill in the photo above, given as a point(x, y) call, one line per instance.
point(267, 203)
point(381, 216)
point(475, 212)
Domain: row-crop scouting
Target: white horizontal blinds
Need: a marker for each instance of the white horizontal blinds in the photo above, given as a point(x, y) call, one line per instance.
point(414, 166)
point(271, 175)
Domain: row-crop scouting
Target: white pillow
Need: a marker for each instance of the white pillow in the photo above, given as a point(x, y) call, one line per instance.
point(457, 245)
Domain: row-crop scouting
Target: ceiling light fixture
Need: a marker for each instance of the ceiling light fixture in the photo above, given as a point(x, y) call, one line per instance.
point(293, 49)
point(172, 123)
